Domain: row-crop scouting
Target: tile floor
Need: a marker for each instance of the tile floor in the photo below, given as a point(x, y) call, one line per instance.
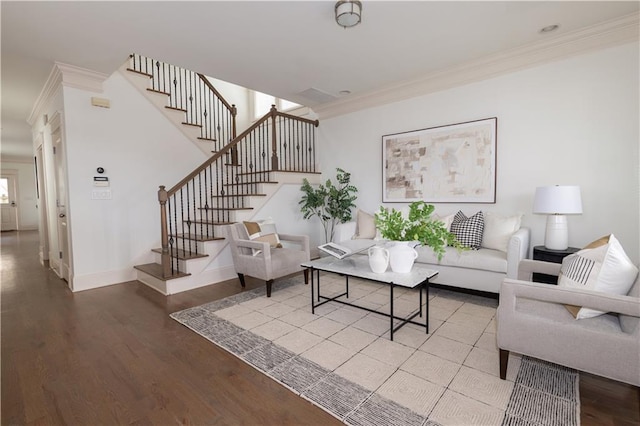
point(449, 375)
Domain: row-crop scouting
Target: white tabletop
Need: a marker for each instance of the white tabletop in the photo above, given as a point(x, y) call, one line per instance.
point(358, 266)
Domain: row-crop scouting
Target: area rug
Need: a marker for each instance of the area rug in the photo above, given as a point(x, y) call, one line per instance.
point(341, 358)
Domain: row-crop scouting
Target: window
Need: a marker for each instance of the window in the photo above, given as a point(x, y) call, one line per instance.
point(262, 104)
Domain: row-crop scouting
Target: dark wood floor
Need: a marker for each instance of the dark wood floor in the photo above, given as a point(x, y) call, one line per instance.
point(113, 356)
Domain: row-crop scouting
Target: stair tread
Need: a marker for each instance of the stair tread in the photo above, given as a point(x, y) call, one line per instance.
point(140, 72)
point(207, 139)
point(175, 108)
point(225, 208)
point(191, 124)
point(250, 183)
point(159, 91)
point(212, 222)
point(181, 254)
point(239, 195)
point(197, 237)
point(155, 270)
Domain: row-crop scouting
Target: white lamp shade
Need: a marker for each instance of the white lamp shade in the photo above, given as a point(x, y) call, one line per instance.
point(557, 200)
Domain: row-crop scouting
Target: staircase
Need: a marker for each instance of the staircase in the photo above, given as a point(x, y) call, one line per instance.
point(243, 173)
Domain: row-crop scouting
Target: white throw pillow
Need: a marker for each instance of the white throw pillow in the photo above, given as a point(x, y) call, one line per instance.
point(365, 226)
point(498, 229)
point(606, 269)
point(447, 220)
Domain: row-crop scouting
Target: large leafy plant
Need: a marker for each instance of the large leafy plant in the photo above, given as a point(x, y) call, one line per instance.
point(417, 226)
point(331, 203)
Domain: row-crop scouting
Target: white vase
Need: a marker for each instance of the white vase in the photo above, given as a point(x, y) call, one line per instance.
point(378, 259)
point(401, 257)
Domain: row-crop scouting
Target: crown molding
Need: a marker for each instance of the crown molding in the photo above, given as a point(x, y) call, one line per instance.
point(68, 76)
point(605, 34)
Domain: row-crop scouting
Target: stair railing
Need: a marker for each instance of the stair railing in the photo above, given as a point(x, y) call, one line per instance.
point(206, 198)
point(193, 94)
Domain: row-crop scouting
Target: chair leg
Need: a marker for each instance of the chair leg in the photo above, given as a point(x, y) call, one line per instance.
point(306, 276)
point(269, 288)
point(241, 277)
point(504, 360)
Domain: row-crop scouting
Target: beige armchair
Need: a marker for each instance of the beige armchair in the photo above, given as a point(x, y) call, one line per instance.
point(271, 263)
point(532, 320)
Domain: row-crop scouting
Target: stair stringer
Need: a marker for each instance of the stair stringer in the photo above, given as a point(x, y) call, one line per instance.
point(218, 265)
point(160, 101)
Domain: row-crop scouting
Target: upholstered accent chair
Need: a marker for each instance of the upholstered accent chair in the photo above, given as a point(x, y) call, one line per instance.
point(270, 263)
point(532, 320)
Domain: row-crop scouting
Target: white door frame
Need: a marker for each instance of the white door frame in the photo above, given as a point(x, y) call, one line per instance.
point(60, 224)
point(43, 229)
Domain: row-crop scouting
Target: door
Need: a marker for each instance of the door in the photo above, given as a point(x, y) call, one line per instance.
point(61, 208)
point(8, 205)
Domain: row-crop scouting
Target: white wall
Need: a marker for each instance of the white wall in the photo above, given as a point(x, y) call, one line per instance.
point(574, 121)
point(238, 96)
point(27, 200)
point(139, 150)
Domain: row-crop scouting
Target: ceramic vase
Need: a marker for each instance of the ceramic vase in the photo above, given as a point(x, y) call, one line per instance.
point(378, 259)
point(401, 257)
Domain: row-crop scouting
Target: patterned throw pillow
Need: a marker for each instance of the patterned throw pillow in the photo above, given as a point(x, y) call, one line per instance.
point(603, 267)
point(264, 231)
point(468, 230)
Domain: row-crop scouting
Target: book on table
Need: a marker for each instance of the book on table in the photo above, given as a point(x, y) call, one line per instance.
point(346, 248)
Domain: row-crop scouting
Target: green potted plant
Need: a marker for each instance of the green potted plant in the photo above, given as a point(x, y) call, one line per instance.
point(417, 226)
point(331, 203)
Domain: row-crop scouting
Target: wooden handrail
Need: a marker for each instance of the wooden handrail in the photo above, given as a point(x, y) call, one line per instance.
point(206, 81)
point(217, 155)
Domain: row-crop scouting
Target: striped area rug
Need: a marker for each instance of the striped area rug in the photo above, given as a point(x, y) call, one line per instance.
point(542, 394)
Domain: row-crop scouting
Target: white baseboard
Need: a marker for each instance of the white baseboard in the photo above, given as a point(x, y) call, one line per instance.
point(102, 279)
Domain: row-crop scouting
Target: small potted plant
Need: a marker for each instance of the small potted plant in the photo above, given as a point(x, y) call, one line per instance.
point(418, 226)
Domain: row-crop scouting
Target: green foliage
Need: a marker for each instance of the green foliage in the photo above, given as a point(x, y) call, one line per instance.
point(331, 203)
point(418, 226)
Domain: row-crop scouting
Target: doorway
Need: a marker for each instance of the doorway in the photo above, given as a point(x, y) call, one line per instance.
point(8, 203)
point(61, 203)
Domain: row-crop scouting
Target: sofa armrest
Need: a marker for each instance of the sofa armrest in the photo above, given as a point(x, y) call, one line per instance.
point(517, 249)
point(514, 289)
point(344, 231)
point(528, 267)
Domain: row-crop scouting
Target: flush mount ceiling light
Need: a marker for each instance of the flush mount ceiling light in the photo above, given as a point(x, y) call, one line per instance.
point(348, 13)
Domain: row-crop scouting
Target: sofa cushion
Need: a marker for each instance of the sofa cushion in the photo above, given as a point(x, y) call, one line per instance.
point(498, 229)
point(606, 268)
point(468, 230)
point(482, 259)
point(365, 226)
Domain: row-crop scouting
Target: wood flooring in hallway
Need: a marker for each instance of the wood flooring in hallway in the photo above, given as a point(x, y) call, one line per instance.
point(113, 356)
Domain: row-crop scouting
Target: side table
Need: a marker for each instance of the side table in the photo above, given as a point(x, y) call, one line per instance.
point(550, 255)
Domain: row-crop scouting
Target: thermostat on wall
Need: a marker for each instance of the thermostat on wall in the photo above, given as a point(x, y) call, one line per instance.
point(100, 181)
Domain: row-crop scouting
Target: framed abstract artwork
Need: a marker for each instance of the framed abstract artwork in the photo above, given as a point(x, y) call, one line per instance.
point(455, 163)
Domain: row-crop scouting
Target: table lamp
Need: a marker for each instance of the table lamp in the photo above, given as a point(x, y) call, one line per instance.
point(557, 201)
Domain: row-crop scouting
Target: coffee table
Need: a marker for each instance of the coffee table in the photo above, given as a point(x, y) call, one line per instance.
point(358, 267)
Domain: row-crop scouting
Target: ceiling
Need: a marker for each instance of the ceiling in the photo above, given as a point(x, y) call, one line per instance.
point(281, 48)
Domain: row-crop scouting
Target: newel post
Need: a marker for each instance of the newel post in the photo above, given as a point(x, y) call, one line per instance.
point(164, 236)
point(274, 142)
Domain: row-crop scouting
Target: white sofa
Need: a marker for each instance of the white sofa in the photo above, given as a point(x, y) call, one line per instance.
point(482, 270)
